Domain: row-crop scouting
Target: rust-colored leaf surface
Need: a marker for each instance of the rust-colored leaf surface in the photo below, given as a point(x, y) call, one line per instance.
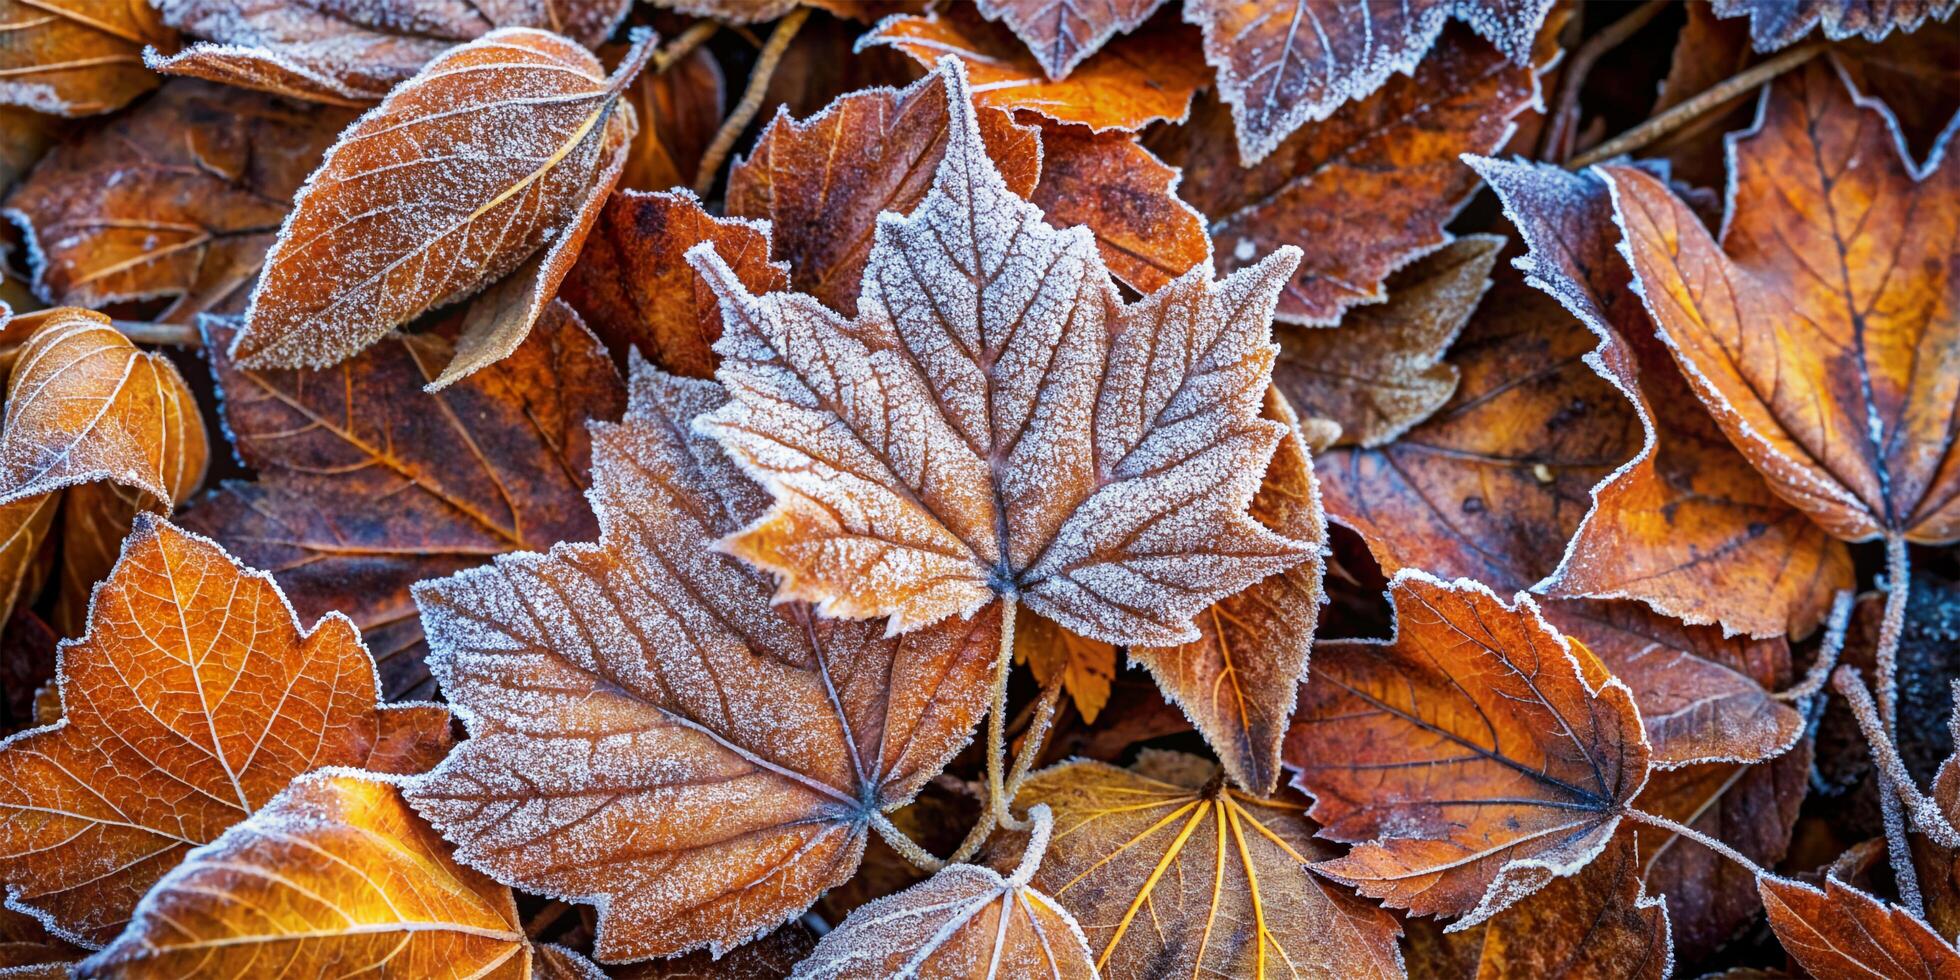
point(1060, 33)
point(1127, 196)
point(822, 182)
point(678, 111)
point(650, 732)
point(965, 921)
point(633, 285)
point(1142, 78)
point(1172, 873)
point(1367, 190)
point(336, 875)
point(997, 420)
point(1238, 680)
point(76, 57)
point(1820, 330)
point(492, 162)
point(771, 957)
point(1777, 23)
point(191, 701)
point(349, 52)
point(1283, 62)
point(1688, 525)
point(1598, 923)
point(495, 463)
point(180, 197)
point(1471, 759)
point(1382, 370)
point(1087, 667)
point(1839, 933)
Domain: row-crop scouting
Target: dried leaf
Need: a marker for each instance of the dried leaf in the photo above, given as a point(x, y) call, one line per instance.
point(732, 11)
point(1282, 63)
point(24, 528)
point(1776, 23)
point(1109, 182)
point(1143, 78)
point(336, 875)
point(29, 134)
point(822, 182)
point(191, 701)
point(679, 111)
point(634, 286)
point(76, 57)
point(1820, 332)
point(1173, 873)
point(1364, 192)
point(1382, 370)
point(1086, 666)
point(965, 921)
point(1471, 759)
point(179, 198)
point(492, 162)
point(1597, 923)
point(27, 652)
point(1060, 33)
point(351, 52)
point(1840, 933)
point(650, 733)
point(996, 420)
point(1238, 680)
point(770, 958)
point(495, 463)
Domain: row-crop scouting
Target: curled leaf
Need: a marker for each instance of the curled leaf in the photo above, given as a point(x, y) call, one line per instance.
point(76, 57)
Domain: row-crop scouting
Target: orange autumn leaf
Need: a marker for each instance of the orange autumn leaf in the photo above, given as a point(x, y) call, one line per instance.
point(1173, 873)
point(336, 874)
point(1839, 933)
point(997, 421)
point(350, 53)
point(678, 110)
point(1237, 682)
point(192, 700)
point(1777, 23)
point(1282, 63)
point(649, 732)
point(1471, 759)
point(633, 285)
point(1127, 196)
point(1365, 191)
point(1688, 525)
point(180, 197)
point(490, 164)
point(496, 462)
point(76, 57)
point(964, 921)
point(1086, 667)
point(1820, 330)
point(1598, 923)
point(1145, 77)
point(1060, 33)
point(822, 182)
point(771, 957)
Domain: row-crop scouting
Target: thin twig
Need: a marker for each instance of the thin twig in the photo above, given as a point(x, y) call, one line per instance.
point(1044, 709)
point(1898, 588)
point(745, 110)
point(1565, 118)
point(1894, 784)
point(545, 918)
point(1717, 96)
point(684, 44)
point(1681, 829)
point(1827, 651)
point(1927, 817)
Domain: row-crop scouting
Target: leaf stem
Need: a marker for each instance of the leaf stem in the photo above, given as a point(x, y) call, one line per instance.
point(906, 847)
point(1043, 823)
point(998, 802)
point(1827, 651)
point(1894, 786)
point(745, 110)
point(1898, 588)
point(1713, 844)
point(1717, 96)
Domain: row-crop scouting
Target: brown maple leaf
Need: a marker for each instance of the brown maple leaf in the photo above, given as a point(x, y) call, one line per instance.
point(490, 164)
point(1471, 759)
point(1819, 330)
point(1840, 933)
point(1365, 191)
point(633, 285)
point(334, 875)
point(98, 429)
point(1171, 872)
point(1061, 33)
point(180, 197)
point(996, 421)
point(191, 701)
point(1283, 62)
point(351, 52)
point(650, 732)
point(1777, 23)
point(497, 462)
point(1688, 526)
point(77, 57)
point(1143, 78)
point(964, 921)
point(1123, 193)
point(1598, 923)
point(1085, 667)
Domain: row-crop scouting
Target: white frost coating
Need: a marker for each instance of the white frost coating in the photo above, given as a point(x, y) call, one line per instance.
point(1060, 33)
point(996, 420)
point(1777, 23)
point(1282, 64)
point(322, 74)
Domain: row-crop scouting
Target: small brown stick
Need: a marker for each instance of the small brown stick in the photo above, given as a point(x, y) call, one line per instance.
point(1654, 820)
point(745, 110)
point(1717, 96)
point(1926, 814)
point(1565, 117)
point(545, 918)
point(1894, 784)
point(684, 44)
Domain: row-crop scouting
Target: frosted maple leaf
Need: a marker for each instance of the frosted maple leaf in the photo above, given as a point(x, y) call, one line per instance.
point(997, 421)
